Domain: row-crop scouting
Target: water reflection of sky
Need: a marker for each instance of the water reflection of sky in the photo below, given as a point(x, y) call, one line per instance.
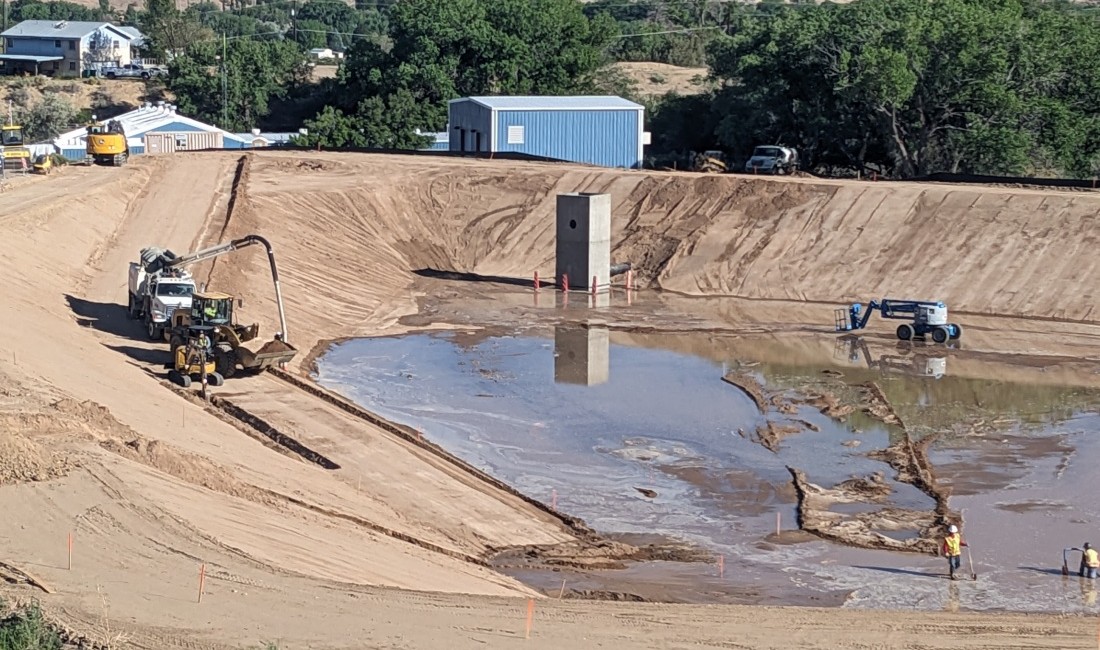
point(642, 417)
point(496, 404)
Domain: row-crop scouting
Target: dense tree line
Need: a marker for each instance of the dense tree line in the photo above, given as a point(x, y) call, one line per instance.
point(901, 87)
point(909, 87)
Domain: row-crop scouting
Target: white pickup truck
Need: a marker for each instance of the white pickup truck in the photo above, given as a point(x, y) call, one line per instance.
point(154, 296)
point(137, 70)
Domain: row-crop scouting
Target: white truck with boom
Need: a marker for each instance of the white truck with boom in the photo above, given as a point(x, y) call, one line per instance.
point(769, 159)
point(156, 290)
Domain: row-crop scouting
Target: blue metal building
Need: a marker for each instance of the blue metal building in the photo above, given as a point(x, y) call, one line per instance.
point(599, 130)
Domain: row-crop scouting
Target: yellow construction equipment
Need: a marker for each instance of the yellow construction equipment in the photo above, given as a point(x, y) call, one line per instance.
point(212, 312)
point(16, 155)
point(709, 162)
point(194, 359)
point(106, 144)
point(43, 164)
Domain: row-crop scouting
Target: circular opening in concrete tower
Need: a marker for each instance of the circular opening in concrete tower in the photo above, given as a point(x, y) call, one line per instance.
point(573, 224)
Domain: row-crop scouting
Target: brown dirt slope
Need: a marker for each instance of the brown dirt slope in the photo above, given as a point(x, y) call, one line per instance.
point(349, 230)
point(152, 486)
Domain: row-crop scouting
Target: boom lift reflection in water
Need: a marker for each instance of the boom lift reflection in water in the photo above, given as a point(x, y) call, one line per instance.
point(910, 360)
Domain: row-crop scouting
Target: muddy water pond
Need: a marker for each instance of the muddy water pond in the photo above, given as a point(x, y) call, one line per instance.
point(644, 439)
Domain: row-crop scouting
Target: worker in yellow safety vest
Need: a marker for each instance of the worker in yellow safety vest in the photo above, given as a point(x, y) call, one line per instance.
point(952, 548)
point(1090, 561)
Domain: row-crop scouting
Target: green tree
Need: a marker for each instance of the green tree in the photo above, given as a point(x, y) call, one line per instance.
point(34, 10)
point(443, 50)
point(256, 72)
point(915, 86)
point(48, 118)
point(168, 30)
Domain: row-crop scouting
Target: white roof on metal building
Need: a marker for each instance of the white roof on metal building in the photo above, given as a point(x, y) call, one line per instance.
point(554, 103)
point(59, 29)
point(140, 121)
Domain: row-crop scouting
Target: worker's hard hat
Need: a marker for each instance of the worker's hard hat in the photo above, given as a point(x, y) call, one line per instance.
point(1087, 545)
point(952, 529)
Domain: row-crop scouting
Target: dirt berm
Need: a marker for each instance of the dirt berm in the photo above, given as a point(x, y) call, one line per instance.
point(350, 230)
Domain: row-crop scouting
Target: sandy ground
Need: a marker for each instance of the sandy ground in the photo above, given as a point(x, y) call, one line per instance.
point(152, 485)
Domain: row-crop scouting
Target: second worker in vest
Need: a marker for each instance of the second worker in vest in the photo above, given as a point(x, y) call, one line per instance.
point(1090, 561)
point(952, 548)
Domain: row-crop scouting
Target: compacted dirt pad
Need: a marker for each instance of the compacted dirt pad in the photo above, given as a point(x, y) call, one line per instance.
point(152, 485)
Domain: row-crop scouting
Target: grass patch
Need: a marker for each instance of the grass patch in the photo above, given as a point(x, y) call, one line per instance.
point(26, 629)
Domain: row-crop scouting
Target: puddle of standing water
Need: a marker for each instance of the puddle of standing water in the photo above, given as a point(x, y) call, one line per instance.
point(640, 440)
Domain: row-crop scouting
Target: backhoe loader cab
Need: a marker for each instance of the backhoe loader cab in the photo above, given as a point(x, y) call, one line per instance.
point(194, 358)
point(211, 308)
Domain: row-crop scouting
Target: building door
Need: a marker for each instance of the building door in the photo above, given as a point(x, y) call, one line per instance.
point(477, 140)
point(462, 140)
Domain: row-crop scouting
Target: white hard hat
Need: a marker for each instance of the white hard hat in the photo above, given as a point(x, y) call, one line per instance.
point(952, 528)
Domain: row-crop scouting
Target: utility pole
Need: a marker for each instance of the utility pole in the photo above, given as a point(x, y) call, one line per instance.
point(225, 85)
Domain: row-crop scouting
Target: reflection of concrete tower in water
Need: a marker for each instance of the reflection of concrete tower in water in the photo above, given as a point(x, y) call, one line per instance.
point(581, 355)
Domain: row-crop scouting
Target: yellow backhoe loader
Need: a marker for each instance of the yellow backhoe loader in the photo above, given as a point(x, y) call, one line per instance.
point(194, 359)
point(212, 311)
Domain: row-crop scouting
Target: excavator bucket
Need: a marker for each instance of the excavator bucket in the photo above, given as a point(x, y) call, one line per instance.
point(272, 353)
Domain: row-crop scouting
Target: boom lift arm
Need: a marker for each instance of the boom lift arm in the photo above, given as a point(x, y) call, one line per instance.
point(925, 316)
point(160, 259)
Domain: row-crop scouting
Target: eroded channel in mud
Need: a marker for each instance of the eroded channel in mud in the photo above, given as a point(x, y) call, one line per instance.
point(638, 439)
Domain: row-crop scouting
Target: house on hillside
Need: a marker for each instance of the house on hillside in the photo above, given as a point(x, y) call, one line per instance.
point(65, 48)
point(599, 130)
point(158, 129)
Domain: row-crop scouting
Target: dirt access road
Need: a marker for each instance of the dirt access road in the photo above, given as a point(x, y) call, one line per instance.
point(152, 485)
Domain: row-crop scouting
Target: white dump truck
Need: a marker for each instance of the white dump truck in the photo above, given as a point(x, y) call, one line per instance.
point(158, 289)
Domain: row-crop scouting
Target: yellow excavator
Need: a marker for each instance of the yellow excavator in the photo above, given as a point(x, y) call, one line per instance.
point(16, 155)
point(106, 144)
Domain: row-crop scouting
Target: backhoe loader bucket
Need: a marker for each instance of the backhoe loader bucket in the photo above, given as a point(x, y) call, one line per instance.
point(272, 353)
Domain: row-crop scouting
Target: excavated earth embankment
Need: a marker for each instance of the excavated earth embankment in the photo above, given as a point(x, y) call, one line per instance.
point(154, 486)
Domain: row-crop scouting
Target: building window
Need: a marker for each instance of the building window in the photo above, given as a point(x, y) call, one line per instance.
point(72, 45)
point(57, 44)
point(10, 44)
point(72, 66)
point(515, 135)
point(181, 141)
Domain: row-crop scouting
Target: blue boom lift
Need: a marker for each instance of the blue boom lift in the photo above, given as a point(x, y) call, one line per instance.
point(926, 318)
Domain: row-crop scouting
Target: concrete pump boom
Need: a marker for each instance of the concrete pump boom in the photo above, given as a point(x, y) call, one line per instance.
point(165, 259)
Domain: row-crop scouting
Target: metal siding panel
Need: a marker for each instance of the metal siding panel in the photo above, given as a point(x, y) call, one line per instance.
point(74, 154)
point(606, 138)
point(204, 140)
point(471, 117)
point(160, 143)
point(134, 151)
point(35, 46)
